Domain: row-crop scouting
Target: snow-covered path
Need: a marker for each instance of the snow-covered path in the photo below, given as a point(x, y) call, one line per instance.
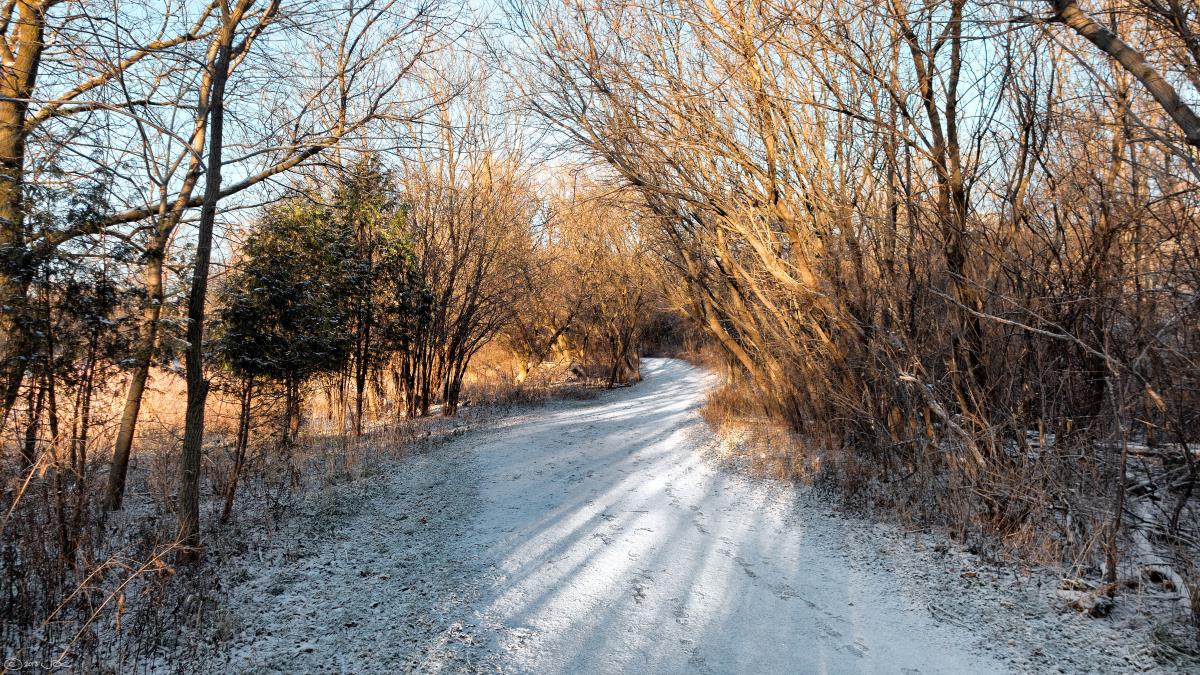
point(620, 550)
point(591, 537)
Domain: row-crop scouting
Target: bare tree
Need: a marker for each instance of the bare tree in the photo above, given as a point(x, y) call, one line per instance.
point(470, 215)
point(48, 91)
point(1173, 19)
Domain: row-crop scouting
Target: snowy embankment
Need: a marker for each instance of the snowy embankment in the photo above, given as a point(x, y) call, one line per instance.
point(600, 537)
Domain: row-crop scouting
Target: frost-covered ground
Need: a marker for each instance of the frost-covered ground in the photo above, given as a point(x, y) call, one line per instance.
point(601, 537)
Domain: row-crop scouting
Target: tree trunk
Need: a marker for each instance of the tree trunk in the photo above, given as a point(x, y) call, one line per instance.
point(361, 366)
point(450, 392)
point(291, 412)
point(16, 88)
point(239, 452)
point(1069, 13)
point(147, 337)
point(197, 386)
point(29, 447)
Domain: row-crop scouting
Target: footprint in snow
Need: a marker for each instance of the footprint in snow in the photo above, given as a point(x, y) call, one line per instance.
point(746, 567)
point(858, 648)
point(639, 583)
point(785, 592)
point(680, 612)
point(829, 631)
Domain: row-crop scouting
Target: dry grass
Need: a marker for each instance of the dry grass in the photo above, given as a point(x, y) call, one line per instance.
point(920, 498)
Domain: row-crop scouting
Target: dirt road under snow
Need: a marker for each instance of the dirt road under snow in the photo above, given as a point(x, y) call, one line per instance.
point(593, 537)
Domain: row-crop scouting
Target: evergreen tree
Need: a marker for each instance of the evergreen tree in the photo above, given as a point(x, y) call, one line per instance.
point(383, 288)
point(287, 314)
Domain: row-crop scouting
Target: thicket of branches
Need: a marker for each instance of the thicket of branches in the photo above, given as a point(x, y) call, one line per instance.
point(952, 245)
point(590, 290)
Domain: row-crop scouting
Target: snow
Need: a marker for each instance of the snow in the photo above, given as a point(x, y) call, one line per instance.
point(603, 537)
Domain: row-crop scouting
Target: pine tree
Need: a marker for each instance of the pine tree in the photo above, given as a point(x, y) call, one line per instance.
point(384, 291)
point(286, 315)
